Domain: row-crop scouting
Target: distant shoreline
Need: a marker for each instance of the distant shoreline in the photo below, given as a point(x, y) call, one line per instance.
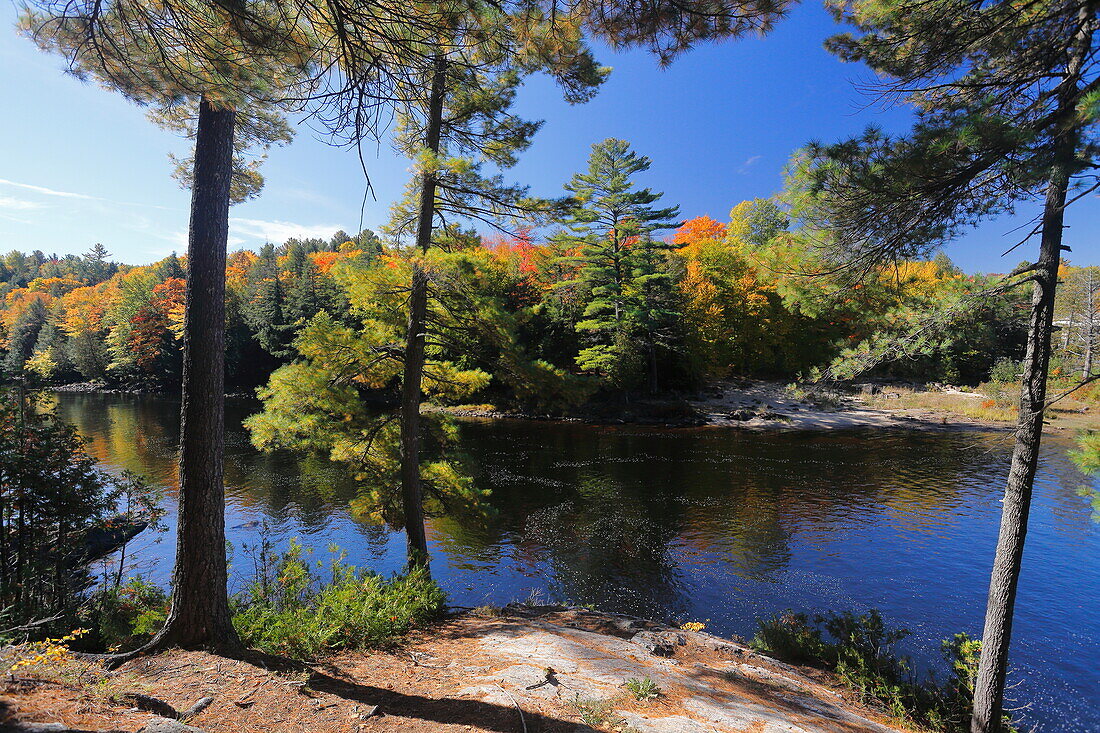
point(741, 405)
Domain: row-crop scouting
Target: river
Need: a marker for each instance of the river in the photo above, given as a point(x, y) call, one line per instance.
point(713, 525)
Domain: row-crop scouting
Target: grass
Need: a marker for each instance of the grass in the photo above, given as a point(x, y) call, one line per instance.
point(288, 608)
point(643, 689)
point(296, 614)
point(984, 407)
point(596, 711)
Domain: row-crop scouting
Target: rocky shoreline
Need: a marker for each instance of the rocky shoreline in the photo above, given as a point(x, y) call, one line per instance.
point(547, 668)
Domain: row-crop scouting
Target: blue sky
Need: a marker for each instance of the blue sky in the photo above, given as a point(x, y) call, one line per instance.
point(79, 165)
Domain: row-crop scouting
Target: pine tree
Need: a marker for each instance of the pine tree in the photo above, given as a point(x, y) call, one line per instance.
point(608, 234)
point(462, 124)
point(98, 267)
point(264, 310)
point(213, 59)
point(24, 335)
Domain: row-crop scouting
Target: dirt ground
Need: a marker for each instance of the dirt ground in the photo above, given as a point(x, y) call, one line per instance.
point(529, 669)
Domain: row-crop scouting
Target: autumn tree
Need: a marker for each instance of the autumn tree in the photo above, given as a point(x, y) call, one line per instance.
point(1005, 103)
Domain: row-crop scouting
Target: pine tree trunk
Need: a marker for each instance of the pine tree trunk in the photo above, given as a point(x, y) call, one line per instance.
point(989, 686)
point(413, 376)
point(199, 617)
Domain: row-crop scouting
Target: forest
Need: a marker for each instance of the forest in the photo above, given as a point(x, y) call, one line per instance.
point(559, 320)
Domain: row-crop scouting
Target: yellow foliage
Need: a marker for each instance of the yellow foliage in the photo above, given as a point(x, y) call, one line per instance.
point(49, 653)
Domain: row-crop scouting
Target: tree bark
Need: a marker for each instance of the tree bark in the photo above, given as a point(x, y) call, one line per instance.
point(989, 686)
point(199, 617)
point(413, 377)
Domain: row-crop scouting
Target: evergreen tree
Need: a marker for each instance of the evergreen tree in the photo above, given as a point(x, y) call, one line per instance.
point(464, 123)
point(264, 310)
point(97, 266)
point(49, 359)
point(87, 352)
point(608, 237)
point(214, 59)
point(370, 243)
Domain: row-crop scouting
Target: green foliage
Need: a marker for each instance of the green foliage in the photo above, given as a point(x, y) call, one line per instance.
point(860, 650)
point(1087, 458)
point(60, 513)
point(643, 689)
point(289, 609)
point(126, 616)
point(1005, 371)
point(631, 308)
point(789, 636)
point(333, 400)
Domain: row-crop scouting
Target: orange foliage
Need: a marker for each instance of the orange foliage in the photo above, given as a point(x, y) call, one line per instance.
point(697, 229)
point(155, 324)
point(84, 308)
point(237, 268)
point(17, 303)
point(54, 285)
point(324, 261)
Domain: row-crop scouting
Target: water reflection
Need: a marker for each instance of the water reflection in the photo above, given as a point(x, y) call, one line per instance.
point(718, 526)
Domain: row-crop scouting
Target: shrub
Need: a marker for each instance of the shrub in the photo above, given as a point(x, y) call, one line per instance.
point(643, 689)
point(300, 616)
point(1005, 371)
point(126, 616)
point(791, 637)
point(860, 649)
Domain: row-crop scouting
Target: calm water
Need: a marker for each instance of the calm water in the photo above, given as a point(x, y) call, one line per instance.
point(700, 525)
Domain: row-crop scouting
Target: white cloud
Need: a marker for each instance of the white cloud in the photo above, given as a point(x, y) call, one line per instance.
point(16, 219)
point(749, 163)
point(42, 190)
point(49, 191)
point(278, 232)
point(7, 202)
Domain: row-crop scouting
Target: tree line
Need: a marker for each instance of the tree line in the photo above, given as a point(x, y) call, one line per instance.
point(614, 298)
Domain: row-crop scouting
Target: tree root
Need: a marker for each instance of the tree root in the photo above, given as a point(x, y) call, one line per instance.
point(159, 707)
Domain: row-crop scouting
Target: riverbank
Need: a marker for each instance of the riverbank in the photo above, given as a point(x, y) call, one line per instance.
point(494, 670)
point(761, 405)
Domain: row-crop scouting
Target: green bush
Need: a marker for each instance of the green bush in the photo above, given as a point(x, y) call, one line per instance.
point(860, 650)
point(643, 689)
point(294, 613)
point(126, 616)
point(1005, 371)
point(789, 636)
